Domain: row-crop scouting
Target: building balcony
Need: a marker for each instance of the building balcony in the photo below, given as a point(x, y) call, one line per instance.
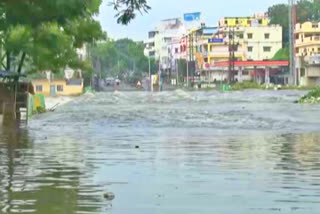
point(312, 41)
point(225, 54)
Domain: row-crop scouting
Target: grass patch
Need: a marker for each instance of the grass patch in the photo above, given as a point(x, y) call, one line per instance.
point(246, 85)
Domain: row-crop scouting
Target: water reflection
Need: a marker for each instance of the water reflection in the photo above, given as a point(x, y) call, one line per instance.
point(37, 180)
point(174, 152)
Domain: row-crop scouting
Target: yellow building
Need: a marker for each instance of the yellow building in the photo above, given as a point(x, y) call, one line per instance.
point(307, 39)
point(256, 20)
point(58, 87)
point(307, 46)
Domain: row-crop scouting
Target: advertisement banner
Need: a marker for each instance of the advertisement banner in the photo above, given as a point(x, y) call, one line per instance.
point(190, 17)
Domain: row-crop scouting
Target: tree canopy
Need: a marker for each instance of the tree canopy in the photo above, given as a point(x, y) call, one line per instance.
point(44, 35)
point(122, 58)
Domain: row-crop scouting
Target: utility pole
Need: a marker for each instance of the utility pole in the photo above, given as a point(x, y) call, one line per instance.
point(149, 72)
point(231, 55)
point(292, 21)
point(177, 67)
point(187, 73)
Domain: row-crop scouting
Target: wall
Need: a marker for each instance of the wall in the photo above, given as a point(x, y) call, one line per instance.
point(68, 90)
point(258, 42)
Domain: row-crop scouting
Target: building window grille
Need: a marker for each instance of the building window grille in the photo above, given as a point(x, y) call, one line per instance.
point(250, 35)
point(267, 49)
point(39, 88)
point(267, 36)
point(250, 49)
point(60, 88)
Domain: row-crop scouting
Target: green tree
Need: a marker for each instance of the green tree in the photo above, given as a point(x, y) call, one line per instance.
point(279, 14)
point(44, 35)
point(123, 58)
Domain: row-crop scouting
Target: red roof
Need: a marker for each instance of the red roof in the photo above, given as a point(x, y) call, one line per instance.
point(253, 63)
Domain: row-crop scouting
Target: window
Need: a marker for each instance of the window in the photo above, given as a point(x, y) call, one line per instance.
point(245, 72)
point(302, 72)
point(39, 88)
point(60, 88)
point(266, 49)
point(226, 22)
point(315, 26)
point(267, 36)
point(241, 36)
point(177, 50)
point(250, 35)
point(260, 21)
point(250, 49)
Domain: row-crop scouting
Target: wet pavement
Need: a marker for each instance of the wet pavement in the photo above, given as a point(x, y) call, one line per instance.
point(172, 152)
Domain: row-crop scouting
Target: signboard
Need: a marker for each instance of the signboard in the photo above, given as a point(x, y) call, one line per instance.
point(190, 17)
point(215, 40)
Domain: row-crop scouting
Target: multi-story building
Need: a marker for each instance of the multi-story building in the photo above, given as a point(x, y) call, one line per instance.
point(307, 47)
point(307, 39)
point(261, 40)
point(258, 19)
point(150, 44)
point(245, 38)
point(238, 38)
point(163, 42)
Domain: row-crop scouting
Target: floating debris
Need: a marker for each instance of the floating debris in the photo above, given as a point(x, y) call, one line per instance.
point(109, 196)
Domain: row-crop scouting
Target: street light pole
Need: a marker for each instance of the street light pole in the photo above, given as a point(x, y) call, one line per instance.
point(150, 72)
point(187, 73)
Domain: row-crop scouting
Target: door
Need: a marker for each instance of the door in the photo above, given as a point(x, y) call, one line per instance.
point(52, 90)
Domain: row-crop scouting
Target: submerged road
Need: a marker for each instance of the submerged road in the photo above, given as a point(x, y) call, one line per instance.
point(251, 152)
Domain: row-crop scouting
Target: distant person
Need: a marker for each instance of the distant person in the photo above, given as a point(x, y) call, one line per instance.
point(139, 84)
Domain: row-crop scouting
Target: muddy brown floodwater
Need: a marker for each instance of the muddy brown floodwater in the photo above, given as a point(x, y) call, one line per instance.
point(251, 152)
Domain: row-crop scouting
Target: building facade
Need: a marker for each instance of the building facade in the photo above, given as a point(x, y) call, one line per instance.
point(307, 48)
point(58, 87)
point(242, 39)
point(164, 41)
point(235, 38)
point(150, 43)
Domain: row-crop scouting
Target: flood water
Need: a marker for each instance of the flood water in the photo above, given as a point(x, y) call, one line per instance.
point(251, 152)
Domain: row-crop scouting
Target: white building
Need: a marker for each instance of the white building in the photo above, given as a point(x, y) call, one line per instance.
point(82, 55)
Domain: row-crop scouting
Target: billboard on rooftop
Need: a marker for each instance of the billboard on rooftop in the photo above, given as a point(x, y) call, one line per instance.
point(190, 17)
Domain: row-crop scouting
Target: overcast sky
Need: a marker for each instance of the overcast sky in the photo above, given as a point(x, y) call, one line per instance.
point(211, 11)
